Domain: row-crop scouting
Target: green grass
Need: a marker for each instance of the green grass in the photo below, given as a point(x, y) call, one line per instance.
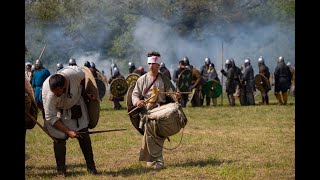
point(242, 142)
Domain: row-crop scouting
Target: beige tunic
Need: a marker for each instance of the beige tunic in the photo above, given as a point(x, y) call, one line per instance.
point(152, 142)
point(142, 83)
point(53, 104)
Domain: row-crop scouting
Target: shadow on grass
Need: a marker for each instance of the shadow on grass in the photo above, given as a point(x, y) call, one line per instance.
point(142, 170)
point(51, 170)
point(203, 163)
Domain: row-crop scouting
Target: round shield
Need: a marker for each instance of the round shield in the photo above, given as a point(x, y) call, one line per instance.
point(262, 83)
point(90, 83)
point(30, 106)
point(93, 105)
point(118, 87)
point(212, 88)
point(132, 78)
point(101, 88)
point(184, 80)
point(134, 116)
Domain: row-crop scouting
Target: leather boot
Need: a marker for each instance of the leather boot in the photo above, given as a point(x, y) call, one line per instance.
point(285, 97)
point(86, 148)
point(267, 99)
point(231, 100)
point(60, 155)
point(208, 101)
point(278, 97)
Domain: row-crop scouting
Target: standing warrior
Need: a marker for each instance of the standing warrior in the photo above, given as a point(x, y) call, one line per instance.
point(116, 100)
point(38, 77)
point(282, 79)
point(195, 84)
point(248, 83)
point(230, 82)
point(66, 113)
point(155, 132)
point(163, 69)
point(264, 70)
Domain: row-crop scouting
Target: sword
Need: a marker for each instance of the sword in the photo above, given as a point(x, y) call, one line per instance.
point(101, 131)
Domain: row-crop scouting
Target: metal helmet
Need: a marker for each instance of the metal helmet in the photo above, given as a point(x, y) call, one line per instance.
point(113, 65)
point(59, 66)
point(281, 59)
point(92, 65)
point(87, 64)
point(186, 60)
point(72, 62)
point(162, 65)
point(38, 62)
point(115, 71)
point(131, 64)
point(211, 65)
point(247, 62)
point(207, 61)
point(233, 64)
point(228, 61)
point(28, 64)
point(260, 60)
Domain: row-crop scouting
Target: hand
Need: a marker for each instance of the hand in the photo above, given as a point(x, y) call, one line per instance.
point(178, 95)
point(140, 103)
point(73, 134)
point(222, 71)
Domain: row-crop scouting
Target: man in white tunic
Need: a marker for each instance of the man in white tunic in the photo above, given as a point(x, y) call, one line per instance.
point(66, 114)
point(154, 132)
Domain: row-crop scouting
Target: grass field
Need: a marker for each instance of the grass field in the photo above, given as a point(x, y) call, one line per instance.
point(242, 142)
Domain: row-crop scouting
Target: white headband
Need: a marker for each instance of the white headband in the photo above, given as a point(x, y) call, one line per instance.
point(154, 59)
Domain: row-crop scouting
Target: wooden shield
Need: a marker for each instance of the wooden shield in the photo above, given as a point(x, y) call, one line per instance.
point(262, 83)
point(90, 83)
point(212, 88)
point(184, 80)
point(134, 116)
point(101, 88)
point(93, 105)
point(132, 78)
point(118, 87)
point(30, 106)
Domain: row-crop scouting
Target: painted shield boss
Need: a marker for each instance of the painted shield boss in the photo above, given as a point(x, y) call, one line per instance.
point(118, 87)
point(132, 78)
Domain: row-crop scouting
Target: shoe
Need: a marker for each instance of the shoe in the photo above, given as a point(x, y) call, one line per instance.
point(155, 165)
point(158, 165)
point(62, 174)
point(151, 164)
point(92, 171)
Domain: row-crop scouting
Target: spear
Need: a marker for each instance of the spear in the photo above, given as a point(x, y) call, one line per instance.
point(222, 74)
point(33, 119)
point(42, 51)
point(101, 131)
